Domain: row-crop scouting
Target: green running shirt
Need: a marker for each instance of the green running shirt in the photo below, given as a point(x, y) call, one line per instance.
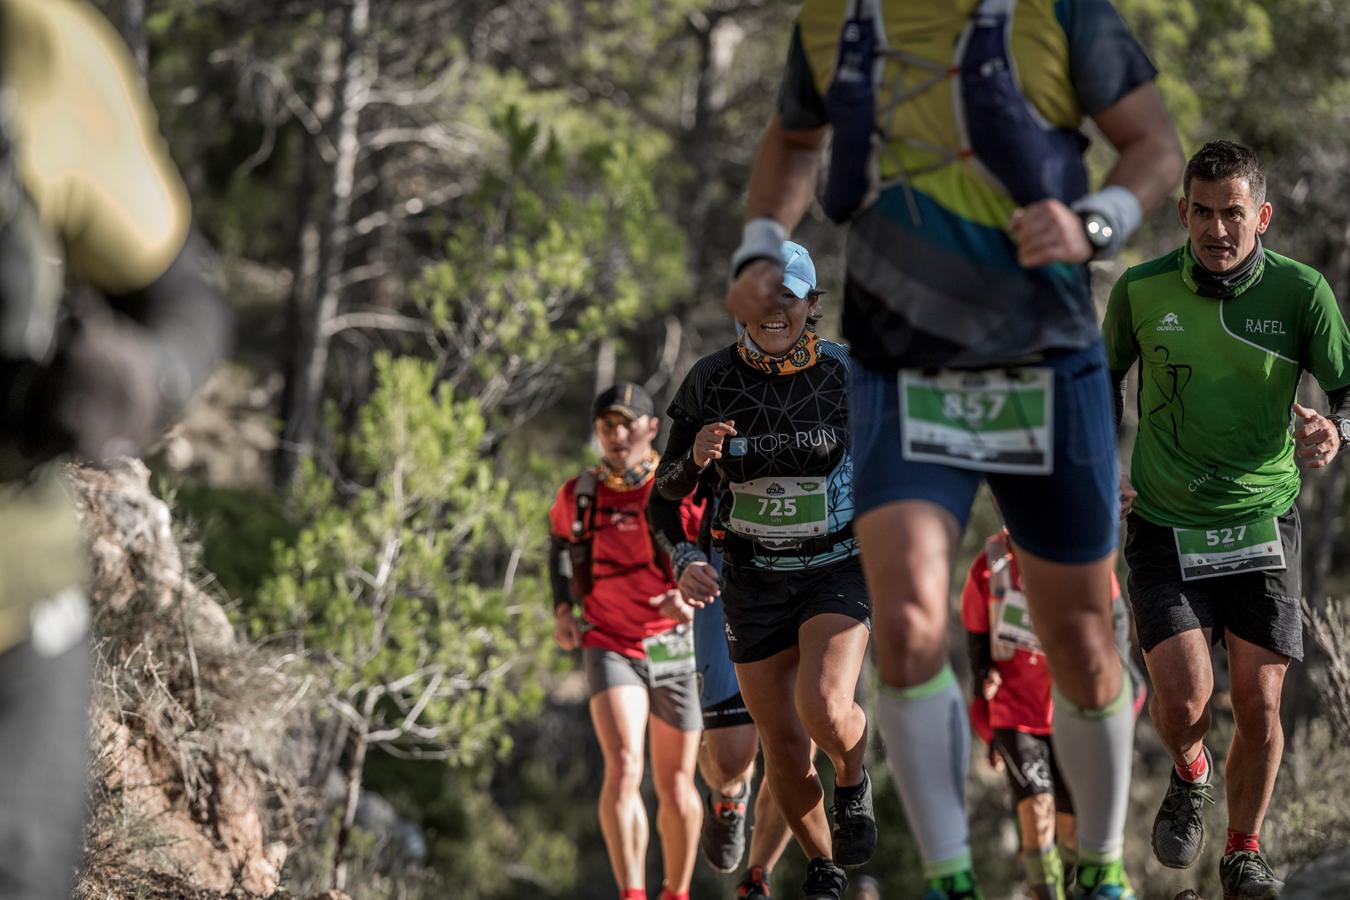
point(1217, 378)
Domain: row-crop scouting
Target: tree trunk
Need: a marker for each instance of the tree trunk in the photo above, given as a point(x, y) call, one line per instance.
point(311, 364)
point(356, 763)
point(606, 363)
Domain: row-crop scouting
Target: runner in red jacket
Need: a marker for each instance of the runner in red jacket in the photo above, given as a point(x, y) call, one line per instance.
point(1012, 709)
point(637, 644)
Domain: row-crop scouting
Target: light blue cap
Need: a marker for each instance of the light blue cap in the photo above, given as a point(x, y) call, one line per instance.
point(799, 273)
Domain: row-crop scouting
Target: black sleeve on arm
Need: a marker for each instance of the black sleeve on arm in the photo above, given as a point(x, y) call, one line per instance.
point(559, 571)
point(1339, 402)
point(663, 519)
point(189, 319)
point(1118, 391)
point(667, 528)
point(677, 476)
point(981, 660)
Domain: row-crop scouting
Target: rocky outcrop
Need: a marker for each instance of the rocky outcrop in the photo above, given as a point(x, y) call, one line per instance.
point(187, 721)
point(1327, 878)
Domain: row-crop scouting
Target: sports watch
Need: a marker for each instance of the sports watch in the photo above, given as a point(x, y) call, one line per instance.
point(1342, 428)
point(1099, 231)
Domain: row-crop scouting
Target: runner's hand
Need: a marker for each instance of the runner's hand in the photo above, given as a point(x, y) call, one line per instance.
point(1318, 440)
point(699, 584)
point(756, 291)
point(566, 628)
point(995, 760)
point(672, 606)
point(1127, 495)
point(1048, 232)
point(992, 682)
point(708, 442)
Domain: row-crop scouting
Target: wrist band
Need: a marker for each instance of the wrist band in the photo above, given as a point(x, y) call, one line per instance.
point(1118, 206)
point(685, 555)
point(762, 238)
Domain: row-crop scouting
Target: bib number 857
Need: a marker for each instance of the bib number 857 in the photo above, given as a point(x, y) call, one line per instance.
point(777, 506)
point(1219, 536)
point(972, 408)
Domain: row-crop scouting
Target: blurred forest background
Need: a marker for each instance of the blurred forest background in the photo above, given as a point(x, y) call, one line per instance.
point(445, 224)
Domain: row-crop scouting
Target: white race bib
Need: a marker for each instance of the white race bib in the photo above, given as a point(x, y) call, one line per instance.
point(670, 656)
point(780, 509)
point(1011, 626)
point(1211, 552)
point(990, 421)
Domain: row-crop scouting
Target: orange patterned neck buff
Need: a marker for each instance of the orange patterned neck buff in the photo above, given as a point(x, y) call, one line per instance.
point(628, 479)
point(801, 356)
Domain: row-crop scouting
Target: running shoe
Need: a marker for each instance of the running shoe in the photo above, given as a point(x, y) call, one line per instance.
point(1103, 881)
point(960, 886)
point(1179, 826)
point(854, 832)
point(754, 885)
point(824, 880)
point(1247, 876)
point(723, 837)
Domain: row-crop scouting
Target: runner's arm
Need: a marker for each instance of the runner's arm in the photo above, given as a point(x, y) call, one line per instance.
point(677, 475)
point(981, 661)
point(668, 534)
point(1119, 388)
point(189, 320)
point(783, 180)
point(558, 565)
point(975, 620)
point(1150, 161)
point(1339, 402)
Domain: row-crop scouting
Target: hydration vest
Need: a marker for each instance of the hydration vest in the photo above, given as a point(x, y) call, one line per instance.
point(581, 548)
point(1001, 133)
point(1010, 627)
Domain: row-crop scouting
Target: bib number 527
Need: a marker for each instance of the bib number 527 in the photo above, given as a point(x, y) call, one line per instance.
point(1219, 537)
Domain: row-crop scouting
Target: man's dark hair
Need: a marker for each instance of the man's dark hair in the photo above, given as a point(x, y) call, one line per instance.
point(1224, 160)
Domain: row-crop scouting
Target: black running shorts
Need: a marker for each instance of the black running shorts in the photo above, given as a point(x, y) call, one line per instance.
point(764, 609)
point(1261, 608)
point(1029, 760)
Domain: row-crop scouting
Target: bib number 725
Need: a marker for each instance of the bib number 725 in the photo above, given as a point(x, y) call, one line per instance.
point(1216, 537)
point(777, 506)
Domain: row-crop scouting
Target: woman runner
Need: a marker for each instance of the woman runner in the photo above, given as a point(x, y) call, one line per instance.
point(769, 414)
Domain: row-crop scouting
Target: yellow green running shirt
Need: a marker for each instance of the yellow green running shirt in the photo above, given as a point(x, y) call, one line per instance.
point(1217, 378)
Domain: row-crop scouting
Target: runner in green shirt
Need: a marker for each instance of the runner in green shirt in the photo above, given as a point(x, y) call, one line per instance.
point(1222, 330)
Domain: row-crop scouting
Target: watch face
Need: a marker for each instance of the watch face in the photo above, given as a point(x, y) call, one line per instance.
point(1098, 230)
point(1343, 426)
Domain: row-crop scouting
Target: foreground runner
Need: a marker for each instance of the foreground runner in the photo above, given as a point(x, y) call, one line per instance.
point(1012, 709)
point(768, 413)
point(1223, 329)
point(89, 196)
point(730, 740)
point(639, 661)
point(971, 223)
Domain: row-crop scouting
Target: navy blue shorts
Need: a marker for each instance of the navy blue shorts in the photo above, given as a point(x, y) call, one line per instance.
point(719, 691)
point(1068, 516)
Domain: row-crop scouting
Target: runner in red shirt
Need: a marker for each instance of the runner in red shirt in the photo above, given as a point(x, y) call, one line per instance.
point(637, 645)
point(1012, 709)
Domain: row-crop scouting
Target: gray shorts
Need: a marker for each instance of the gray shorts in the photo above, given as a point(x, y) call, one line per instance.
point(675, 703)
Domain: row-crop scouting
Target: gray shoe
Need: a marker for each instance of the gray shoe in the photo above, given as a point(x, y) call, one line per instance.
point(1179, 826)
point(1247, 876)
point(854, 832)
point(723, 836)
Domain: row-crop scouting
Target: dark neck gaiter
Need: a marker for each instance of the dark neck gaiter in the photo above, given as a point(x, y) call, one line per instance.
point(1229, 284)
